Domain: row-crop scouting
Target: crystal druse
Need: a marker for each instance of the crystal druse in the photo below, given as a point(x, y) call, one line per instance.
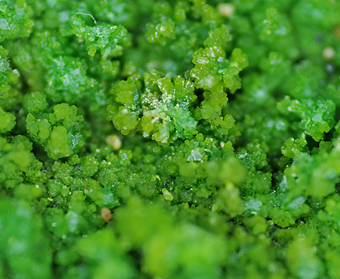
point(184, 139)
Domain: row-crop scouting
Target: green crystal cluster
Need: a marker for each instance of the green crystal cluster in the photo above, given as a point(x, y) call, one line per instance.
point(183, 139)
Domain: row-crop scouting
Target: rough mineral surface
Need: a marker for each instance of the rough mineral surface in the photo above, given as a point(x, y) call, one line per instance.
point(169, 139)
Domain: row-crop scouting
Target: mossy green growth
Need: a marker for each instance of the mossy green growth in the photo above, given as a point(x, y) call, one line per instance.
point(169, 139)
point(7, 121)
point(16, 19)
point(109, 40)
point(25, 251)
point(163, 110)
point(58, 132)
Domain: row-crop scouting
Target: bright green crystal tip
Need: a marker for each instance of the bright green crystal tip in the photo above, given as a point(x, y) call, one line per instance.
point(183, 139)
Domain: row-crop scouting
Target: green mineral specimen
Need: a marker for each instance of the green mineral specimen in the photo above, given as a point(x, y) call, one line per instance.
point(187, 139)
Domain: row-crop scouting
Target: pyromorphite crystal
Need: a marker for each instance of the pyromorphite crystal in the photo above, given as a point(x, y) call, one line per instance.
point(183, 139)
